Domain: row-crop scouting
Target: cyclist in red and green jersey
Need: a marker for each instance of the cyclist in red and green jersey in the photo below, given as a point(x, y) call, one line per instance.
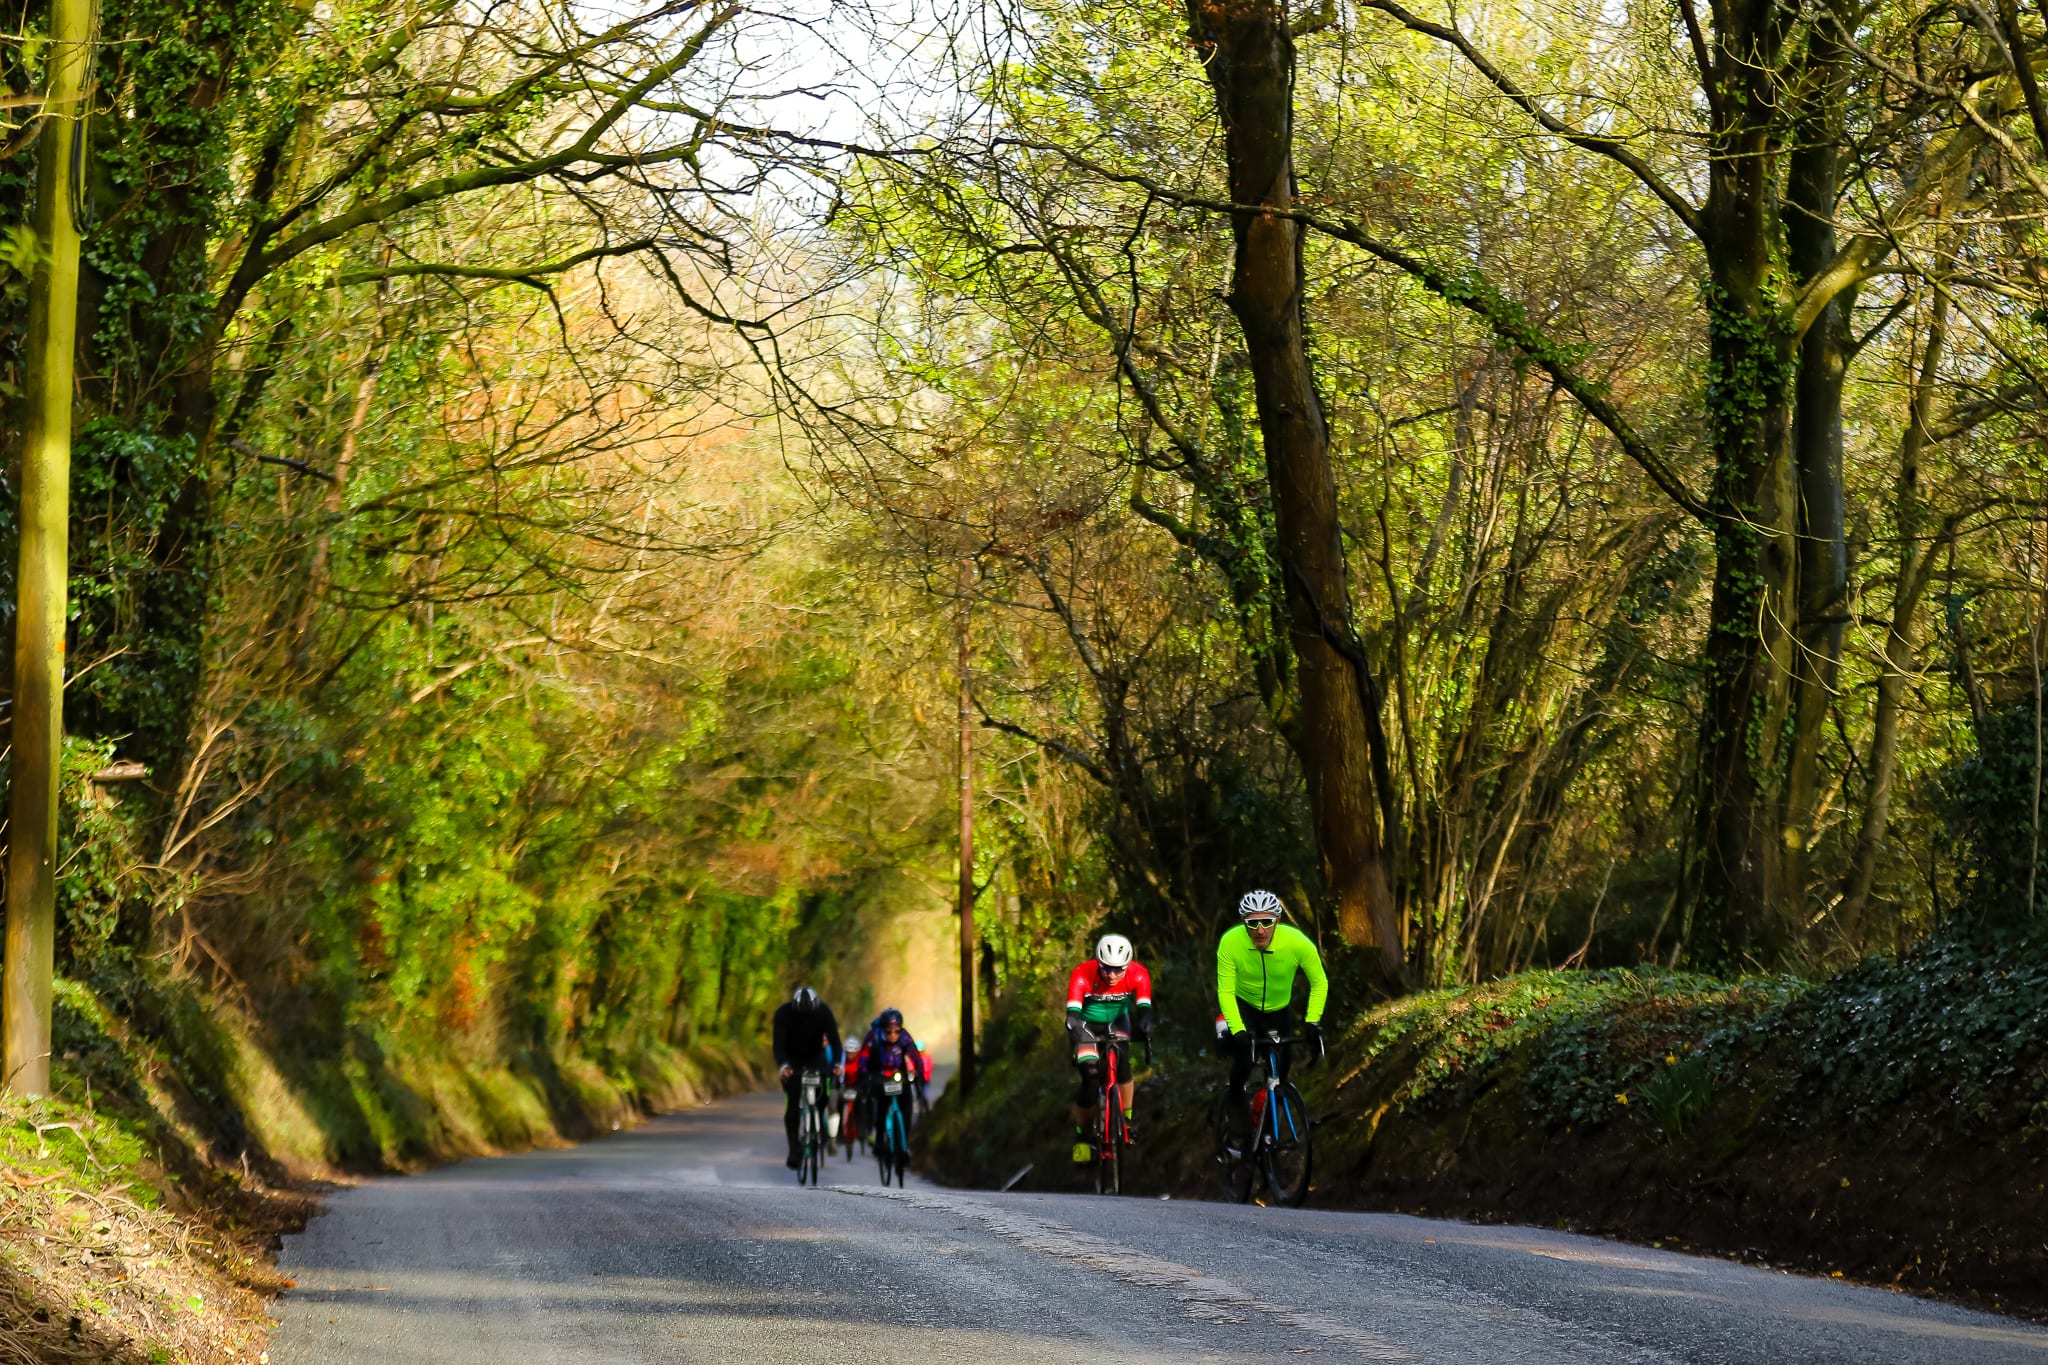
point(1112, 994)
point(1256, 964)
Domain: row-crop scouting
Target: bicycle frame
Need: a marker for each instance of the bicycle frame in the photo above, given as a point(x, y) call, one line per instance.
point(1266, 1056)
point(1111, 1138)
point(1277, 1152)
point(1110, 1099)
point(891, 1140)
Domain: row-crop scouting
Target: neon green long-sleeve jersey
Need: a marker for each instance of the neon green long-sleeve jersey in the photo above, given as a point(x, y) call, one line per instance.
point(1265, 980)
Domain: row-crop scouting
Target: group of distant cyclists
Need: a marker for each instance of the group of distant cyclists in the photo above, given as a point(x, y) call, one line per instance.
point(856, 1087)
point(1109, 1004)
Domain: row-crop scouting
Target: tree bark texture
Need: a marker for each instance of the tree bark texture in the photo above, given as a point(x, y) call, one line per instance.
point(38, 710)
point(1248, 53)
point(1812, 189)
point(1737, 878)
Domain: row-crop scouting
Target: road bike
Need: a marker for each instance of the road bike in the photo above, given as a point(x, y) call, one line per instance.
point(1111, 1139)
point(1272, 1156)
point(812, 1097)
point(890, 1137)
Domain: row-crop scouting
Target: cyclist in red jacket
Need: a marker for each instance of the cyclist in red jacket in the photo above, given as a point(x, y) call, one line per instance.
point(1111, 993)
point(849, 1092)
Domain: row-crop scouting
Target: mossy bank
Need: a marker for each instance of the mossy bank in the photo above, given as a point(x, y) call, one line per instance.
point(1888, 1125)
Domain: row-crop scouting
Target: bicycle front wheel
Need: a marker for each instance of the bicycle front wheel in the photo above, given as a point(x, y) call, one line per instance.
point(1233, 1164)
point(1288, 1158)
point(888, 1138)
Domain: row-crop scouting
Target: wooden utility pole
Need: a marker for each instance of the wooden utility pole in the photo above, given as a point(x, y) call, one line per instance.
point(38, 711)
point(967, 974)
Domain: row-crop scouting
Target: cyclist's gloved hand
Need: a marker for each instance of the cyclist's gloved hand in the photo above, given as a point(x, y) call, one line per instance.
point(1315, 1039)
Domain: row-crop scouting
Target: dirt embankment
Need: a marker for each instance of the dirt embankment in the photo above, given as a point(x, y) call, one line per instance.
point(139, 1210)
point(1827, 1128)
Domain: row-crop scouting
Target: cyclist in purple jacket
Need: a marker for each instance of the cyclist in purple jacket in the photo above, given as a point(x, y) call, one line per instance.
point(889, 1047)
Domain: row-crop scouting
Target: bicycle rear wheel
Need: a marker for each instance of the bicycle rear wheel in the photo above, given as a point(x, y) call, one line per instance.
point(1288, 1158)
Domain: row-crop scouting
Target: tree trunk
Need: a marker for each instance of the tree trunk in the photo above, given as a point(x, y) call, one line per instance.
point(1249, 55)
point(1812, 189)
point(1916, 562)
point(1737, 876)
point(41, 582)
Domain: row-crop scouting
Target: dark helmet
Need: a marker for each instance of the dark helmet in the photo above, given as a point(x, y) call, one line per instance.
point(806, 998)
point(889, 1016)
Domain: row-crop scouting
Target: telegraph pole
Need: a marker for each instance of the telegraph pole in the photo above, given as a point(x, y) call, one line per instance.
point(38, 719)
point(968, 980)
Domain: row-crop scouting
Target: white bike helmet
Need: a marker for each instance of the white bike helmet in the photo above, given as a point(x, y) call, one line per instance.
point(805, 998)
point(1113, 950)
point(1260, 903)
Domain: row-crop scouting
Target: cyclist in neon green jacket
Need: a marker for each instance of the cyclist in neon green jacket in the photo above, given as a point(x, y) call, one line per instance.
point(1256, 964)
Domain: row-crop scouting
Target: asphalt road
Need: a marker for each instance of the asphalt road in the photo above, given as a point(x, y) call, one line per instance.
point(687, 1240)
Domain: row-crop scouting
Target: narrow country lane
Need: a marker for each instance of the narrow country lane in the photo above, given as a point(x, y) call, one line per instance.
point(686, 1240)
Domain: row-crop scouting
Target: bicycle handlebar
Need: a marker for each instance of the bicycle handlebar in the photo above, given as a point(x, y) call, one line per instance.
point(1273, 1042)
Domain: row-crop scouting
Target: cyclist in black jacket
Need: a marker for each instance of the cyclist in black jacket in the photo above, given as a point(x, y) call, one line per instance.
point(806, 1039)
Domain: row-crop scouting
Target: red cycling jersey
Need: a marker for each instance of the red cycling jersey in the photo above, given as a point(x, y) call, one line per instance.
point(1098, 999)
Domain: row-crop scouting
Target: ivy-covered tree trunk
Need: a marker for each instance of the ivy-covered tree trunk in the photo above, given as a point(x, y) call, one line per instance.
point(1737, 869)
point(162, 158)
point(1249, 55)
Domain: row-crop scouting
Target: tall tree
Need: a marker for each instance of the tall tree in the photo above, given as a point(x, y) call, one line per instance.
point(1247, 50)
point(37, 732)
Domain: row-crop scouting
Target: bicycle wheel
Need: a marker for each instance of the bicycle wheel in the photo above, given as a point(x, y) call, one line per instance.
point(1233, 1166)
point(1288, 1156)
point(1104, 1145)
point(1113, 1151)
point(807, 1143)
point(885, 1158)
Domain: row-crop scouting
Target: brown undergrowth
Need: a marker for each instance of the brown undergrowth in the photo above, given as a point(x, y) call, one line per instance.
point(107, 1253)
